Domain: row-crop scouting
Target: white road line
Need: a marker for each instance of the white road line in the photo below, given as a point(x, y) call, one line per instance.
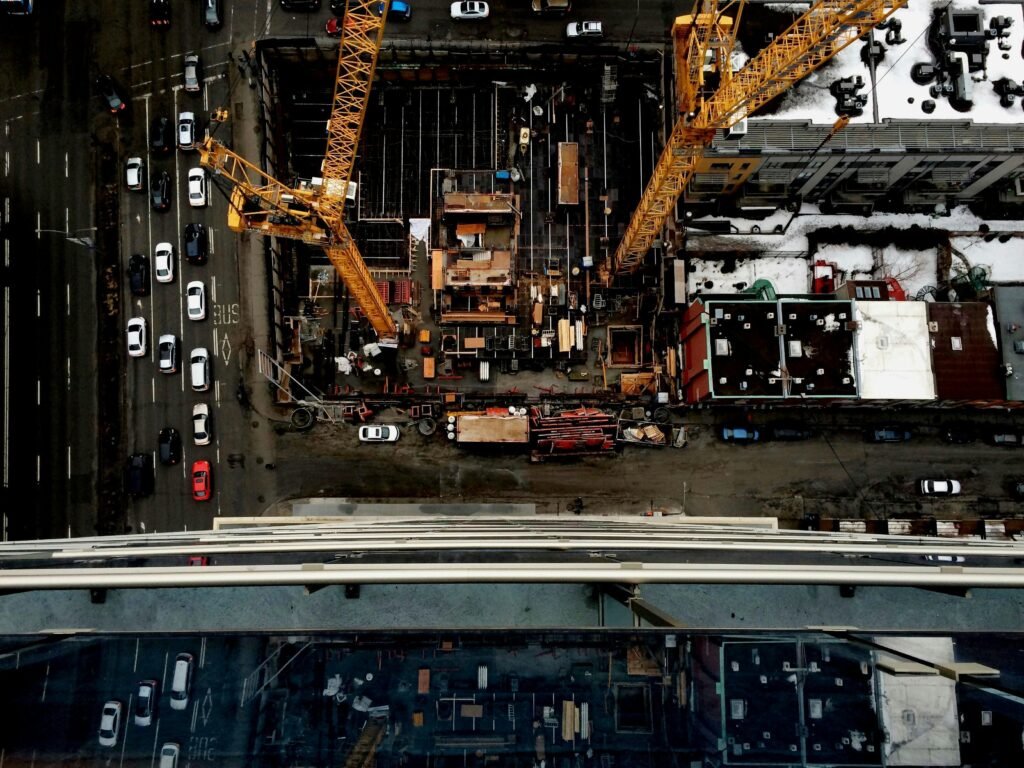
point(69, 462)
point(65, 165)
point(46, 680)
point(216, 394)
point(69, 373)
point(39, 226)
point(210, 241)
point(7, 162)
point(141, 64)
point(38, 152)
point(152, 387)
point(39, 303)
point(135, 661)
point(68, 287)
point(213, 289)
point(39, 391)
point(38, 467)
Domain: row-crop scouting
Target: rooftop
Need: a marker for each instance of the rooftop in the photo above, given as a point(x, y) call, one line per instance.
point(1008, 301)
point(965, 356)
point(893, 360)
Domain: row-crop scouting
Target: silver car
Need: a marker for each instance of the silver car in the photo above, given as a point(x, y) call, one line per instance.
point(110, 723)
point(192, 73)
point(186, 130)
point(201, 424)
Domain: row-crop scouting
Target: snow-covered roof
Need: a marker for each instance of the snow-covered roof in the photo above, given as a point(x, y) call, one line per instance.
point(897, 95)
point(894, 351)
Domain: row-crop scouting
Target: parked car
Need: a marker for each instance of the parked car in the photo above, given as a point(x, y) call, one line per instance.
point(145, 703)
point(379, 433)
point(1017, 490)
point(195, 300)
point(301, 5)
point(160, 13)
point(160, 135)
point(195, 243)
point(138, 274)
point(400, 10)
point(888, 435)
point(111, 94)
point(169, 446)
point(740, 435)
point(197, 187)
point(110, 723)
point(1018, 346)
point(1005, 438)
point(470, 9)
point(186, 130)
point(213, 14)
point(789, 432)
point(945, 558)
point(201, 483)
point(163, 262)
point(193, 73)
point(135, 173)
point(333, 26)
point(167, 349)
point(939, 487)
point(137, 337)
point(959, 434)
point(201, 424)
point(138, 475)
point(584, 29)
point(160, 191)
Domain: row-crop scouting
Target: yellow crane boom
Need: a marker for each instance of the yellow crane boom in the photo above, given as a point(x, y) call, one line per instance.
point(315, 215)
point(824, 30)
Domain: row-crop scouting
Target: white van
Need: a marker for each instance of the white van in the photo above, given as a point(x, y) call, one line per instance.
point(200, 366)
point(181, 683)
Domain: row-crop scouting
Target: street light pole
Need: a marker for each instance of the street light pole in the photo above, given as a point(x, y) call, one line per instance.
point(71, 237)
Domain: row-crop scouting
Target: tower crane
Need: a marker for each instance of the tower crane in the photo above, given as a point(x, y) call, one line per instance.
point(315, 214)
point(825, 29)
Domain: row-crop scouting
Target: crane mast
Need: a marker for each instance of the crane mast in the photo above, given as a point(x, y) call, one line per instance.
point(315, 215)
point(825, 29)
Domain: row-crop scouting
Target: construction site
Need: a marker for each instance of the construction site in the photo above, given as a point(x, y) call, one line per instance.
point(515, 236)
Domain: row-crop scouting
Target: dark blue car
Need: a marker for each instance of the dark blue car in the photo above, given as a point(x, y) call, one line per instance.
point(399, 10)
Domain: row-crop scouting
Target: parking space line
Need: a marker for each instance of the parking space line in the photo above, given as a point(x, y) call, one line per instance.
point(46, 683)
point(67, 287)
point(66, 165)
point(213, 289)
point(135, 661)
point(69, 462)
point(39, 152)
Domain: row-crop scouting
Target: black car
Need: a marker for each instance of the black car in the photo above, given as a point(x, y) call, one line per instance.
point(888, 435)
point(111, 94)
point(338, 7)
point(789, 432)
point(160, 136)
point(138, 476)
point(138, 274)
point(213, 14)
point(195, 243)
point(160, 191)
point(958, 434)
point(169, 444)
point(160, 13)
point(301, 5)
point(1017, 490)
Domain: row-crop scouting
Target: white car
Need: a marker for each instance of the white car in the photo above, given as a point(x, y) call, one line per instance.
point(201, 424)
point(940, 487)
point(186, 130)
point(584, 29)
point(195, 299)
point(192, 73)
point(110, 723)
point(470, 9)
point(197, 187)
point(379, 433)
point(137, 337)
point(134, 173)
point(163, 262)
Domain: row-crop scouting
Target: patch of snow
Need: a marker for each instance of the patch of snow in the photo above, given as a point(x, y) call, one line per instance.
point(419, 229)
point(990, 323)
point(810, 100)
point(788, 274)
point(1002, 260)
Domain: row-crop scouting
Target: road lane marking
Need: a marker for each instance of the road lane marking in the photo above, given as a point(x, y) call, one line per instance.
point(66, 165)
point(39, 392)
point(38, 152)
point(69, 373)
point(39, 303)
point(38, 467)
point(39, 226)
point(68, 286)
point(7, 162)
point(69, 462)
point(46, 682)
point(152, 387)
point(135, 661)
point(213, 289)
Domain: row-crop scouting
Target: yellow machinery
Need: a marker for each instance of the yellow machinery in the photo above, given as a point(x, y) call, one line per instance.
point(315, 214)
point(704, 44)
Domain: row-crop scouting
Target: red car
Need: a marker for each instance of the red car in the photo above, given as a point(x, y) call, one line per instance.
point(202, 481)
point(333, 27)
